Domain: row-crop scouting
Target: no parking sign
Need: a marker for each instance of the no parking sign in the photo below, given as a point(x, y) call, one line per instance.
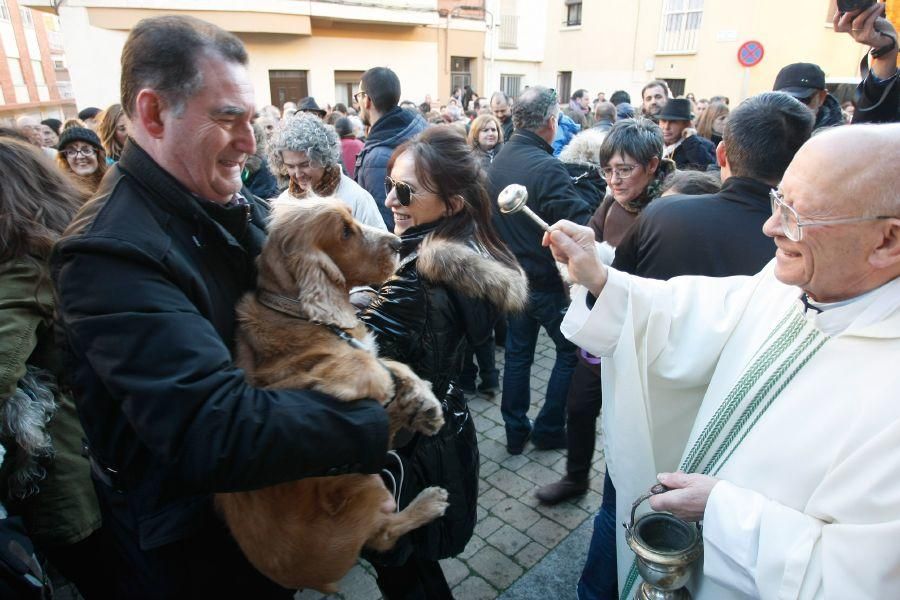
point(750, 54)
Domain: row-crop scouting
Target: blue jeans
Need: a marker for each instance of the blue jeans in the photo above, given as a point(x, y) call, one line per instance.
point(599, 579)
point(544, 309)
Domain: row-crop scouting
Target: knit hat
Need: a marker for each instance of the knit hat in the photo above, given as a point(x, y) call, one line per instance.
point(88, 113)
point(79, 134)
point(54, 124)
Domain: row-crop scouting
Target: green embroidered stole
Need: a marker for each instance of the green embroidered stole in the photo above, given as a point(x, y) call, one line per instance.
point(788, 348)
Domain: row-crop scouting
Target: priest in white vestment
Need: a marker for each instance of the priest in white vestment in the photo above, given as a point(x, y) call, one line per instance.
point(769, 404)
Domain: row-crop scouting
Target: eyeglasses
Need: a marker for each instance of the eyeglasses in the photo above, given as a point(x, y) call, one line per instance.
point(358, 94)
point(404, 192)
point(623, 172)
point(85, 151)
point(792, 226)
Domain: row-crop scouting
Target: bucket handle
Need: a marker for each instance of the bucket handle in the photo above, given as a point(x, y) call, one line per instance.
point(656, 489)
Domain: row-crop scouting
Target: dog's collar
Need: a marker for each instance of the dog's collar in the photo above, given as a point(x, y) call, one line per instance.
point(293, 308)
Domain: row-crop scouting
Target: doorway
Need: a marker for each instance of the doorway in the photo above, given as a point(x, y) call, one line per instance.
point(287, 86)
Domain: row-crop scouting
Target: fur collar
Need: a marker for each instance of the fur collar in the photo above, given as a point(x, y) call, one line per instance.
point(473, 273)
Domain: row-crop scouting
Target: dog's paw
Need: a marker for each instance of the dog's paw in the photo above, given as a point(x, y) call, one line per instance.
point(432, 502)
point(429, 418)
point(414, 406)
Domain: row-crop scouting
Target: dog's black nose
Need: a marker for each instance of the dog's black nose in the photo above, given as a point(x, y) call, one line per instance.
point(395, 244)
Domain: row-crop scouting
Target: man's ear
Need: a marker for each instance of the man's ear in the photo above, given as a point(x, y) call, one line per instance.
point(721, 158)
point(887, 255)
point(148, 112)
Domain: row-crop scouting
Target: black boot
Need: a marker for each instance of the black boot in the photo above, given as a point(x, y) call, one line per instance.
point(564, 489)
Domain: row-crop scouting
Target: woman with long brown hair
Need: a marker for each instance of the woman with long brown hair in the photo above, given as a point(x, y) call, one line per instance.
point(454, 280)
point(486, 138)
point(113, 131)
point(44, 479)
point(711, 123)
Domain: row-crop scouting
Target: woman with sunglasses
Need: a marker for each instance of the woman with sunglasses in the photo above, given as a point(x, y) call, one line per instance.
point(308, 152)
point(454, 280)
point(82, 156)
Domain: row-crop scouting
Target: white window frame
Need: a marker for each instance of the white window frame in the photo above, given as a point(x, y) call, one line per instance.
point(27, 17)
point(4, 12)
point(506, 81)
point(679, 27)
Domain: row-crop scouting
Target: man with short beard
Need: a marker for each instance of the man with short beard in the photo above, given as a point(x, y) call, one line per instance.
point(501, 107)
point(389, 126)
point(654, 97)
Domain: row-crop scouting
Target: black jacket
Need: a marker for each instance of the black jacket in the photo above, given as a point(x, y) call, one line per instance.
point(508, 129)
point(877, 102)
point(588, 183)
point(147, 280)
point(695, 153)
point(716, 235)
point(829, 114)
point(443, 296)
point(527, 160)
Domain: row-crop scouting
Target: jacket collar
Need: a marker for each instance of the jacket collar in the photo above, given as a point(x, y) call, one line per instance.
point(394, 123)
point(530, 138)
point(746, 191)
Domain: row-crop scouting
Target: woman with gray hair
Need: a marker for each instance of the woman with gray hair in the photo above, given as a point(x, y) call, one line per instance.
point(308, 151)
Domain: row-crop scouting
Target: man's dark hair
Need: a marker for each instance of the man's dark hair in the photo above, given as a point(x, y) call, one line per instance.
point(579, 94)
point(692, 183)
point(722, 99)
point(605, 110)
point(424, 108)
point(620, 96)
point(383, 86)
point(763, 133)
point(656, 83)
point(341, 108)
point(534, 108)
point(162, 53)
point(638, 138)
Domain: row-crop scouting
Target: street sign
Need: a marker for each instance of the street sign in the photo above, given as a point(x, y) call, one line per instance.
point(750, 54)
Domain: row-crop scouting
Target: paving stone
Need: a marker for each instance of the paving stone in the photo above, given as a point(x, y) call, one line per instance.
point(560, 466)
point(358, 584)
point(515, 462)
point(474, 588)
point(507, 481)
point(566, 514)
point(536, 473)
point(547, 533)
point(488, 525)
point(590, 501)
point(493, 450)
point(541, 374)
point(455, 570)
point(496, 433)
point(516, 514)
point(547, 457)
point(495, 567)
point(475, 544)
point(508, 540)
point(480, 513)
point(530, 554)
point(487, 467)
point(489, 498)
point(546, 361)
point(479, 404)
point(493, 413)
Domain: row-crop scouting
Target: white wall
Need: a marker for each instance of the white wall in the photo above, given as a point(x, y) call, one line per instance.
point(93, 56)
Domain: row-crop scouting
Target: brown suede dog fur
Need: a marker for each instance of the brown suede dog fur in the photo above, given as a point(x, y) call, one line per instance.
point(309, 533)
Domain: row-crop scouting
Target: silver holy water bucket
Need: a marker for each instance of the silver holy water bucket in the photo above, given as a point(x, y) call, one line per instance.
point(666, 549)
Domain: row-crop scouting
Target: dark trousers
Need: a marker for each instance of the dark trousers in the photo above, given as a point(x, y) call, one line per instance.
point(544, 309)
point(417, 579)
point(582, 409)
point(599, 579)
point(487, 366)
point(206, 564)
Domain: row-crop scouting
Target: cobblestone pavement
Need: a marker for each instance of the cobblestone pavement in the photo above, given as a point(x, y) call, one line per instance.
point(514, 532)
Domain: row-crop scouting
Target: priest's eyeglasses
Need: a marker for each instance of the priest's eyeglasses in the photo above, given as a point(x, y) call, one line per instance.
point(622, 172)
point(792, 225)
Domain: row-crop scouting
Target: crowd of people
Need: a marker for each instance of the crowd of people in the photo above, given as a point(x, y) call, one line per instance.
point(721, 285)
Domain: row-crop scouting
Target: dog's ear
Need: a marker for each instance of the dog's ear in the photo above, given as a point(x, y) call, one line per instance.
point(332, 498)
point(316, 269)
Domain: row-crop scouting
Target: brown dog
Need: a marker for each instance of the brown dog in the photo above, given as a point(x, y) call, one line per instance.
point(299, 330)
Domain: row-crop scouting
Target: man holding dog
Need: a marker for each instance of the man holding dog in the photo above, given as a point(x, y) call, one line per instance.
point(774, 397)
point(147, 278)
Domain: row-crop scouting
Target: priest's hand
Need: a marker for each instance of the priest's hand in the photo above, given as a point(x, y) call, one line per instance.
point(687, 496)
point(573, 245)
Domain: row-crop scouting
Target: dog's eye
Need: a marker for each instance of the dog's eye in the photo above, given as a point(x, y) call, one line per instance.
point(348, 231)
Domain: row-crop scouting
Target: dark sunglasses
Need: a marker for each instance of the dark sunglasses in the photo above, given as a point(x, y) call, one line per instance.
point(404, 192)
